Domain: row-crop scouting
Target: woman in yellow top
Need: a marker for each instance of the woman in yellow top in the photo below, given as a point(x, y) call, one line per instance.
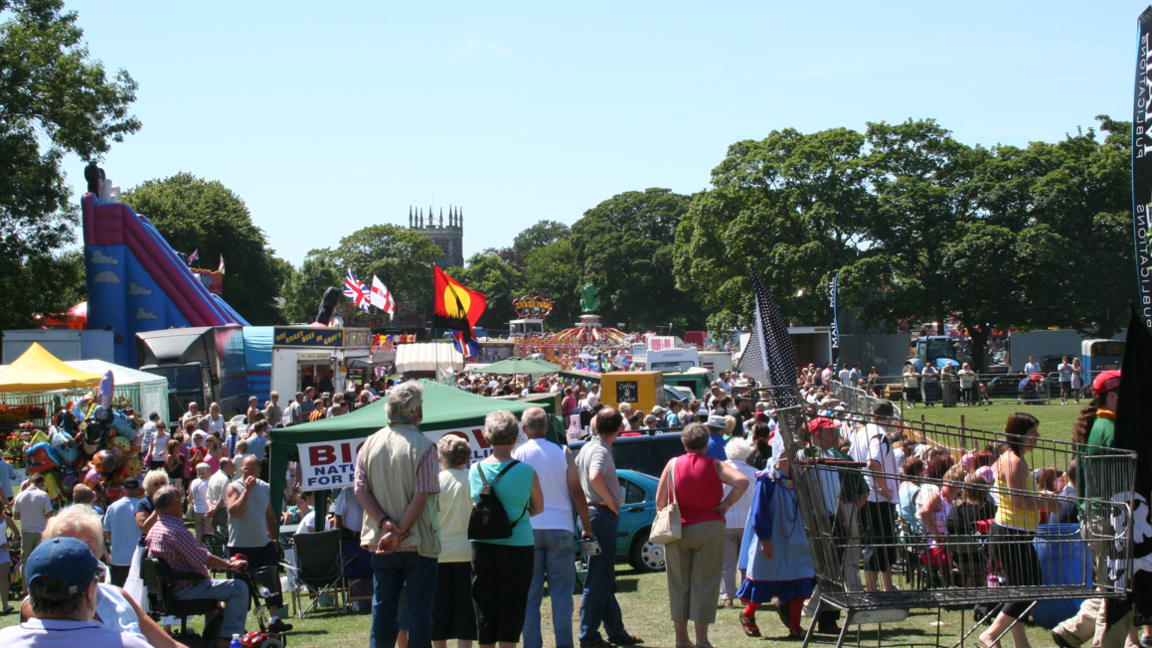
point(1018, 505)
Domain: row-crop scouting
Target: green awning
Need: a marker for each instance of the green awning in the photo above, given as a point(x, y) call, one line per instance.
point(444, 407)
point(522, 366)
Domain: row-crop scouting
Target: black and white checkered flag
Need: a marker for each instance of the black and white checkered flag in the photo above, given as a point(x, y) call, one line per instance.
point(770, 356)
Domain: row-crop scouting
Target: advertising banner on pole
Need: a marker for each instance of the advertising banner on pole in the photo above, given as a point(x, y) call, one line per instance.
point(1142, 164)
point(833, 288)
point(328, 465)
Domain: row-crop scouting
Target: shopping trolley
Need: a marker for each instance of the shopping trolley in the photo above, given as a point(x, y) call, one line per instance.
point(1074, 564)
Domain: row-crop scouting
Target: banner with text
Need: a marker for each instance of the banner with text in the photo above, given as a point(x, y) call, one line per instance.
point(328, 465)
point(1142, 164)
point(833, 290)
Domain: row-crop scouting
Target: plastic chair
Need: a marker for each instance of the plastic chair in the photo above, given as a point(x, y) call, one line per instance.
point(216, 546)
point(320, 568)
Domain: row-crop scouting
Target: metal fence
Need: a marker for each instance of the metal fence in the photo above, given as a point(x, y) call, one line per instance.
point(981, 564)
point(951, 391)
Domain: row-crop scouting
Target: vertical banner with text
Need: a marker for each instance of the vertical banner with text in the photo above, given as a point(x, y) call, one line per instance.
point(1142, 164)
point(833, 288)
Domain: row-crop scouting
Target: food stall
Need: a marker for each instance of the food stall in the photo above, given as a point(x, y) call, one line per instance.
point(310, 356)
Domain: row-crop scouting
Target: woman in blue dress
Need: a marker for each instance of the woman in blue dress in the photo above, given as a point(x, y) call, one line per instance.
point(775, 553)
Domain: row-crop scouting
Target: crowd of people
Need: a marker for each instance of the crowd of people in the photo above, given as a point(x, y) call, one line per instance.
point(462, 550)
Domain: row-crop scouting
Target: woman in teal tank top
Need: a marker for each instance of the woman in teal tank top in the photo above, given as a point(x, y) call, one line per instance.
point(502, 569)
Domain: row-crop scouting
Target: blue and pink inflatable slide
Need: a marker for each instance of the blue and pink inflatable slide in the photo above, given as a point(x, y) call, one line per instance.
point(136, 282)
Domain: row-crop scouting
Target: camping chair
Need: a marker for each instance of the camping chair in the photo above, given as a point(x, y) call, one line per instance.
point(159, 579)
point(319, 569)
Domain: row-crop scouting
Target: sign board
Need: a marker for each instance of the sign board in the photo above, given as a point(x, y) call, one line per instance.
point(328, 465)
point(309, 336)
point(628, 391)
point(659, 342)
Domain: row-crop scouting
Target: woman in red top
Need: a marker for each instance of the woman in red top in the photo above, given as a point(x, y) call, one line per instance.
point(695, 561)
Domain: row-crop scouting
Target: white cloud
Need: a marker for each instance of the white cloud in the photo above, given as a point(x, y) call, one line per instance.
point(106, 276)
point(99, 258)
point(466, 48)
point(500, 51)
point(143, 314)
point(135, 289)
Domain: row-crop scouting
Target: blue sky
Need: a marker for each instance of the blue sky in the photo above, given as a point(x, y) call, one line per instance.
point(326, 118)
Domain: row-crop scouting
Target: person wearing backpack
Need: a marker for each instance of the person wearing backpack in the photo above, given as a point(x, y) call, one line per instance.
point(505, 494)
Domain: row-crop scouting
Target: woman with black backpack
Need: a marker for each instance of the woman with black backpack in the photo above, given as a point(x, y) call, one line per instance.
point(505, 493)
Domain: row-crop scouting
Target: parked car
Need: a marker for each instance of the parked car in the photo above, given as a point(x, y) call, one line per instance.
point(647, 453)
point(639, 461)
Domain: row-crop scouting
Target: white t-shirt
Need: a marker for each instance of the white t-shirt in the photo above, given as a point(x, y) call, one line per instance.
point(1032, 367)
point(216, 425)
point(350, 510)
point(199, 492)
point(870, 443)
point(160, 446)
point(308, 523)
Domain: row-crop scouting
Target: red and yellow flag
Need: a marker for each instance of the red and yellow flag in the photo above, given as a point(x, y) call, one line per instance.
point(456, 307)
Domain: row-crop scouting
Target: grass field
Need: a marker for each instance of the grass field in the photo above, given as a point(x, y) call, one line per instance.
point(1055, 419)
point(644, 601)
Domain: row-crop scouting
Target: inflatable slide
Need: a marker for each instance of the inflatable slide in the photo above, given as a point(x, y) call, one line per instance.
point(136, 281)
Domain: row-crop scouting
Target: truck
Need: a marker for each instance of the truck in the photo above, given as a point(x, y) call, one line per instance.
point(938, 350)
point(716, 362)
point(65, 344)
point(203, 364)
point(671, 359)
point(813, 345)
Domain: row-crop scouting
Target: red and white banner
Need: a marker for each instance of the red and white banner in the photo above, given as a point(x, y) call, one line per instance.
point(328, 465)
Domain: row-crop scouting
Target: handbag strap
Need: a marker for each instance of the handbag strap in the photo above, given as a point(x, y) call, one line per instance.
point(672, 482)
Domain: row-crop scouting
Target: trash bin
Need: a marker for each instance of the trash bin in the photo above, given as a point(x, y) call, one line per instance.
point(1064, 560)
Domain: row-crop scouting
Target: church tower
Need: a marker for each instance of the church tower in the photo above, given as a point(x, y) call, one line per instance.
point(449, 237)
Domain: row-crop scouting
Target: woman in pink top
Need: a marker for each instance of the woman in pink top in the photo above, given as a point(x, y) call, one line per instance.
point(694, 562)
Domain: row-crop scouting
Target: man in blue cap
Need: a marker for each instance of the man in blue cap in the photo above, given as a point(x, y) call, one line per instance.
point(62, 586)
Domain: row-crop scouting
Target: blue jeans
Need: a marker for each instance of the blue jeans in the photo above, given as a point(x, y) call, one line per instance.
point(599, 602)
point(234, 595)
point(390, 572)
point(556, 561)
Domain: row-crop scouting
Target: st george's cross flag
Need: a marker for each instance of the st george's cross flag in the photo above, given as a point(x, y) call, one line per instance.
point(356, 291)
point(770, 356)
point(381, 298)
point(221, 268)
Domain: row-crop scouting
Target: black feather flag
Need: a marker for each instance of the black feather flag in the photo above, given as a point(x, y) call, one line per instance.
point(770, 356)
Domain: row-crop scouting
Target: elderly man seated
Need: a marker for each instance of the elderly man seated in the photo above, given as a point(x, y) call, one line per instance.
point(115, 608)
point(63, 588)
point(170, 540)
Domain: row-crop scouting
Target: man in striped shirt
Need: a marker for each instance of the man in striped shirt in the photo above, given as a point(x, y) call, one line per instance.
point(170, 540)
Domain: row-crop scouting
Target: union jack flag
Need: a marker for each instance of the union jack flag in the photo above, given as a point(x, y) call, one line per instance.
point(356, 291)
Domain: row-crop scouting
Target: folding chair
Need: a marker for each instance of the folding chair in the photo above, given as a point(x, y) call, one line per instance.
point(320, 569)
point(162, 600)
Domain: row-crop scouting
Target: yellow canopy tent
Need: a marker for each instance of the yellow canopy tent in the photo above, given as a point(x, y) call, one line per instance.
point(40, 371)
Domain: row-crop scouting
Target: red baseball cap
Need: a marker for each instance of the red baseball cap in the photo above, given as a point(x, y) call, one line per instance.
point(821, 423)
point(1106, 382)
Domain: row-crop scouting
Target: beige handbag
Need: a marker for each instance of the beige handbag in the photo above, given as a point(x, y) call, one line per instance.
point(666, 526)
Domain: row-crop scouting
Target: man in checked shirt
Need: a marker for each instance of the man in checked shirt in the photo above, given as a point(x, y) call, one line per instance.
point(171, 540)
point(398, 482)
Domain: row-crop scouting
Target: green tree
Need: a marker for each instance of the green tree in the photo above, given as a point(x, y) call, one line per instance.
point(796, 205)
point(624, 246)
point(498, 281)
point(306, 285)
point(400, 257)
point(196, 214)
point(552, 271)
point(54, 99)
